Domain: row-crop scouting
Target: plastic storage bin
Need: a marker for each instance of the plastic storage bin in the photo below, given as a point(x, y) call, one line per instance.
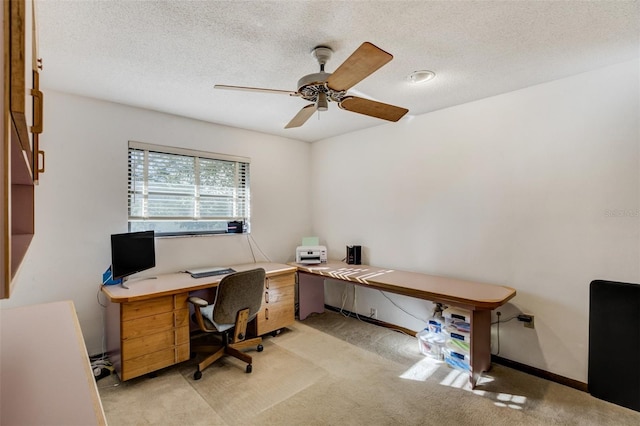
point(431, 344)
point(456, 360)
point(457, 314)
point(431, 340)
point(458, 338)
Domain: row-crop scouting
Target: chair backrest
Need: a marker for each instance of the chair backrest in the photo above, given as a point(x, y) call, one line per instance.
point(238, 291)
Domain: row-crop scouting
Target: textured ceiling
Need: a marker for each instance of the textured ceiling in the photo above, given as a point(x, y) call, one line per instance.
point(166, 56)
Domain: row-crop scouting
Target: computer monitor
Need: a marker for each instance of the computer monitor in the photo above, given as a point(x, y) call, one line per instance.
point(132, 252)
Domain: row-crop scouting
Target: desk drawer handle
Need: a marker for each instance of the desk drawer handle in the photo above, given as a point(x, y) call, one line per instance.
point(266, 313)
point(266, 282)
point(266, 297)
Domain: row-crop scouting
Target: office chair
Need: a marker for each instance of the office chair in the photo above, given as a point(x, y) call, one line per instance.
point(238, 300)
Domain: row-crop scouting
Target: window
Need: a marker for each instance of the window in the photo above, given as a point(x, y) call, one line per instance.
point(177, 191)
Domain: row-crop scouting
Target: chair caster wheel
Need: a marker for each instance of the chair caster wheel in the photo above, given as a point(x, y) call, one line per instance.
point(260, 348)
point(249, 368)
point(197, 375)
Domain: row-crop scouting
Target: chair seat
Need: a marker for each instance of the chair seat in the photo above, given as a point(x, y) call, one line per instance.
point(209, 326)
point(207, 315)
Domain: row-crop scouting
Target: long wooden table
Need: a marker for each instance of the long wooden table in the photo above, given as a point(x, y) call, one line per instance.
point(478, 298)
point(46, 374)
point(148, 323)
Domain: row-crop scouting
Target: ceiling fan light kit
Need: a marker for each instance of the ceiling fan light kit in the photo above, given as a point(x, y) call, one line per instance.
point(322, 87)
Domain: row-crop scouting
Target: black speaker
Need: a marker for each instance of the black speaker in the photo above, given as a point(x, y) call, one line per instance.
point(235, 227)
point(614, 342)
point(354, 256)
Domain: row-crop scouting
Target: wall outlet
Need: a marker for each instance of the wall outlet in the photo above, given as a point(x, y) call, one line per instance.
point(373, 313)
point(527, 320)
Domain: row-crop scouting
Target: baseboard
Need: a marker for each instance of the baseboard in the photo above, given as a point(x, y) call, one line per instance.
point(552, 377)
point(371, 320)
point(547, 375)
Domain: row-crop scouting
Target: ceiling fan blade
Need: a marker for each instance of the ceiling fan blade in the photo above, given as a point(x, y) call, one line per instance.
point(363, 62)
point(302, 116)
point(255, 89)
point(373, 108)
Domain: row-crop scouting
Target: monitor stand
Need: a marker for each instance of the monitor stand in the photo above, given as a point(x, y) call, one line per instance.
point(124, 280)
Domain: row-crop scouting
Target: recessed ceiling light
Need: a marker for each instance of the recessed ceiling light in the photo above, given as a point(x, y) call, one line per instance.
point(421, 76)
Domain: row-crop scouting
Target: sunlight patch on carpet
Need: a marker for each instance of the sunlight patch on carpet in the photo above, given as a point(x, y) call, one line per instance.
point(460, 379)
point(515, 402)
point(457, 379)
point(422, 370)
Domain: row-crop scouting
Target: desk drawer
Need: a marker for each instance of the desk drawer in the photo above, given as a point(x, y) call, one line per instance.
point(134, 348)
point(146, 308)
point(154, 361)
point(278, 308)
point(282, 295)
point(277, 312)
point(272, 318)
point(279, 281)
point(181, 318)
point(147, 325)
point(155, 323)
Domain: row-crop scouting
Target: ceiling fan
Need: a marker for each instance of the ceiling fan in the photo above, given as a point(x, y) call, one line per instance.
point(323, 87)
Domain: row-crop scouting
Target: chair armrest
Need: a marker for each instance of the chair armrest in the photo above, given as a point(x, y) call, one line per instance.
point(198, 301)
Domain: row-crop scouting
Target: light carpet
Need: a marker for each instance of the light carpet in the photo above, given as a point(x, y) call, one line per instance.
point(330, 369)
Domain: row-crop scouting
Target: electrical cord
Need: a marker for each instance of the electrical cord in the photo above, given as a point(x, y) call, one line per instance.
point(507, 320)
point(104, 321)
point(498, 328)
point(344, 301)
point(98, 296)
point(355, 304)
point(253, 255)
point(249, 239)
point(402, 309)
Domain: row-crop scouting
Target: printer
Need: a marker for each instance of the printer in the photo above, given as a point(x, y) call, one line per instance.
point(308, 255)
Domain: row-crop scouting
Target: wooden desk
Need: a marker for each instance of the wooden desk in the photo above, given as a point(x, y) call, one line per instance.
point(46, 373)
point(148, 324)
point(479, 298)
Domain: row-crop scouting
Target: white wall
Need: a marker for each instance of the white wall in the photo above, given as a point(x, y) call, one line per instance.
point(536, 189)
point(82, 199)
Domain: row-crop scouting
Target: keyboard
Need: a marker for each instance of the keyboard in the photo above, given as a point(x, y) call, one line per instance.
point(212, 272)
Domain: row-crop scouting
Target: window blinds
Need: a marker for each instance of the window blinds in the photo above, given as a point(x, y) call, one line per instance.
point(175, 191)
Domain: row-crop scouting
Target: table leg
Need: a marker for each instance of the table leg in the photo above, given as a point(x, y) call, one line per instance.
point(480, 344)
point(310, 294)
